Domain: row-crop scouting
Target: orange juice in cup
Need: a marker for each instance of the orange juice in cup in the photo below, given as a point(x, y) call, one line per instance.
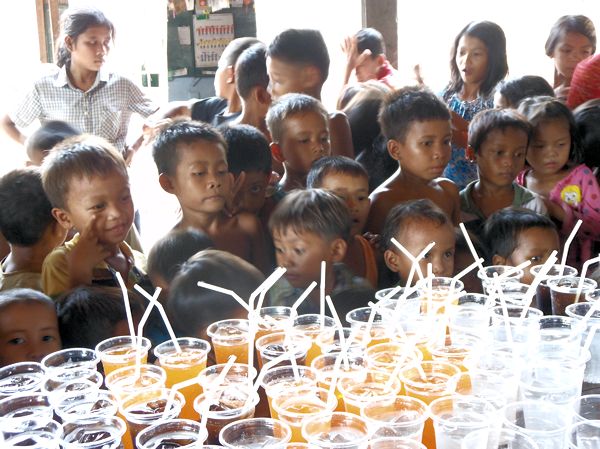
point(284, 377)
point(229, 337)
point(379, 330)
point(276, 344)
point(273, 319)
point(311, 326)
point(359, 391)
point(387, 356)
point(439, 292)
point(117, 352)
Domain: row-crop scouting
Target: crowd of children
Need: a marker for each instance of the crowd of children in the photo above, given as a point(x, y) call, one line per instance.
point(283, 182)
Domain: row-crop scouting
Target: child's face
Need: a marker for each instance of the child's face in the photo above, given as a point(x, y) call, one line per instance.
point(201, 181)
point(107, 198)
point(252, 193)
point(549, 149)
point(354, 190)
point(569, 51)
point(301, 254)
point(472, 59)
point(305, 139)
point(90, 48)
point(415, 236)
point(28, 332)
point(368, 68)
point(426, 149)
point(502, 156)
point(284, 78)
point(535, 245)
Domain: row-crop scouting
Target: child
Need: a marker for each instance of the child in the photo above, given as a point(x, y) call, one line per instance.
point(87, 184)
point(587, 117)
point(585, 84)
point(41, 141)
point(28, 326)
point(415, 224)
point(300, 135)
point(514, 236)
point(308, 227)
point(192, 309)
point(88, 315)
point(464, 258)
point(350, 181)
point(192, 164)
point(571, 40)
point(298, 62)
point(416, 125)
point(27, 223)
point(556, 173)
point(510, 93)
point(478, 62)
point(170, 252)
point(498, 140)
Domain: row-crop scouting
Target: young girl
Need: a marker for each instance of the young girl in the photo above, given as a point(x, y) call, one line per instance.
point(571, 39)
point(556, 174)
point(478, 63)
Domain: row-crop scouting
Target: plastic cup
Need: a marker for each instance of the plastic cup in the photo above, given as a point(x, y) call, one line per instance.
point(274, 319)
point(387, 356)
point(498, 439)
point(123, 381)
point(229, 337)
point(369, 386)
point(394, 443)
point(485, 385)
point(488, 275)
point(383, 294)
point(76, 405)
point(586, 408)
point(256, 433)
point(470, 316)
point(454, 350)
point(584, 435)
point(118, 352)
point(239, 373)
point(273, 345)
point(532, 316)
point(444, 292)
point(542, 293)
point(401, 416)
point(70, 380)
point(559, 383)
point(24, 406)
point(328, 345)
point(282, 378)
point(454, 417)
point(73, 358)
point(578, 311)
point(311, 326)
point(336, 430)
point(182, 366)
point(294, 406)
point(97, 433)
point(300, 446)
point(563, 291)
point(183, 433)
point(38, 433)
point(379, 332)
point(494, 362)
point(543, 421)
point(593, 296)
point(24, 377)
point(559, 334)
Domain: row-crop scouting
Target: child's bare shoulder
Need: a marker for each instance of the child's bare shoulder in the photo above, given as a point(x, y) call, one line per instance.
point(245, 223)
point(448, 187)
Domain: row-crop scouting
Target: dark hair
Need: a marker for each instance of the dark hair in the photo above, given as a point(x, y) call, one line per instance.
point(170, 252)
point(193, 308)
point(502, 229)
point(181, 132)
point(16, 295)
point(587, 118)
point(247, 149)
point(88, 315)
point(415, 210)
point(74, 22)
point(315, 210)
point(251, 70)
point(407, 105)
point(333, 164)
point(570, 24)
point(370, 39)
point(539, 109)
point(290, 104)
point(463, 245)
point(235, 48)
point(82, 156)
point(494, 40)
point(303, 47)
point(48, 135)
point(26, 212)
point(489, 120)
point(517, 89)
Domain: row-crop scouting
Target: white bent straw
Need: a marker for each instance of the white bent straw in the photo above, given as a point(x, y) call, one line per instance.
point(302, 297)
point(127, 305)
point(411, 257)
point(226, 291)
point(322, 295)
point(264, 288)
point(584, 269)
point(154, 301)
point(209, 393)
point(471, 246)
point(567, 246)
point(338, 324)
point(498, 291)
point(534, 285)
point(140, 332)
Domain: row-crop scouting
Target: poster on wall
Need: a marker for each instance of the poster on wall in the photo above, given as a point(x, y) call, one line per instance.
point(211, 36)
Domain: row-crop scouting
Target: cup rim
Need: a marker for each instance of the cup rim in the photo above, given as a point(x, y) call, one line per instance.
point(389, 401)
point(172, 422)
point(343, 415)
point(253, 422)
point(64, 352)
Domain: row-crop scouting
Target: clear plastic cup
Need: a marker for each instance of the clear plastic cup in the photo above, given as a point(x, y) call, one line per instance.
point(76, 405)
point(239, 373)
point(454, 349)
point(23, 377)
point(384, 294)
point(72, 358)
point(387, 356)
point(498, 439)
point(578, 311)
point(34, 433)
point(256, 433)
point(532, 316)
point(586, 408)
point(284, 377)
point(494, 362)
point(563, 292)
point(401, 416)
point(559, 334)
point(485, 385)
point(274, 319)
point(229, 337)
point(70, 380)
point(182, 433)
point(488, 275)
point(584, 435)
point(24, 406)
point(124, 381)
point(311, 326)
point(379, 331)
point(593, 296)
point(370, 386)
point(327, 345)
point(336, 430)
point(542, 293)
point(444, 292)
point(93, 433)
point(118, 352)
point(275, 344)
point(394, 443)
point(470, 316)
point(456, 416)
point(559, 383)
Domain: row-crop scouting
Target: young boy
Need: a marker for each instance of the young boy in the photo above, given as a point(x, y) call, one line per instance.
point(300, 135)
point(514, 236)
point(40, 142)
point(27, 223)
point(298, 62)
point(415, 224)
point(87, 183)
point(416, 124)
point(498, 140)
point(28, 326)
point(308, 227)
point(192, 164)
point(349, 180)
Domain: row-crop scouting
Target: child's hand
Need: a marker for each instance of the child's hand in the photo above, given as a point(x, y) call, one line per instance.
point(349, 49)
point(374, 240)
point(232, 205)
point(562, 92)
point(555, 210)
point(86, 254)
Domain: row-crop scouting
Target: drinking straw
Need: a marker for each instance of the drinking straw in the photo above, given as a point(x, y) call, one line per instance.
point(496, 288)
point(429, 289)
point(266, 367)
point(463, 273)
point(584, 269)
point(338, 360)
point(251, 334)
point(127, 305)
point(568, 246)
point(263, 288)
point(226, 291)
point(590, 337)
point(303, 296)
point(411, 257)
point(140, 332)
point(322, 295)
point(154, 301)
point(470, 245)
point(415, 266)
point(209, 397)
point(338, 324)
point(399, 366)
point(536, 281)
